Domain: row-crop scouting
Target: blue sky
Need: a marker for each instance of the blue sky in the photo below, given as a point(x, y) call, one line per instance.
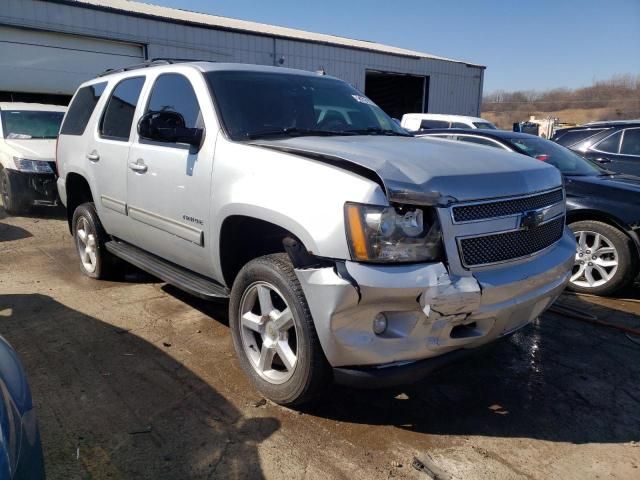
point(536, 44)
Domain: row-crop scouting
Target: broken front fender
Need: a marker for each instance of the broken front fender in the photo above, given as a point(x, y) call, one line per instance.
point(428, 311)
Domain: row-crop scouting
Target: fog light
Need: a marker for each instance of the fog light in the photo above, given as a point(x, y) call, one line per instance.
point(379, 324)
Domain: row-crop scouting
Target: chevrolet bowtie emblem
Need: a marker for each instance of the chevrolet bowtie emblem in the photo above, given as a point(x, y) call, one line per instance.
point(531, 219)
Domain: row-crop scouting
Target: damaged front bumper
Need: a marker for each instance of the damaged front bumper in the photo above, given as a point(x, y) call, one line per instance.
point(429, 312)
point(34, 188)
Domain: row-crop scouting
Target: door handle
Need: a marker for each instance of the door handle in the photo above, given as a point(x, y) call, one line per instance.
point(138, 167)
point(93, 156)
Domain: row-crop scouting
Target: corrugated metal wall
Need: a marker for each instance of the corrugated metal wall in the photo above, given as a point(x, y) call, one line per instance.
point(453, 88)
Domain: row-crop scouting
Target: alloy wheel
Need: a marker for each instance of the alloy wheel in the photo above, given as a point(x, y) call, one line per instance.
point(596, 260)
point(268, 332)
point(86, 244)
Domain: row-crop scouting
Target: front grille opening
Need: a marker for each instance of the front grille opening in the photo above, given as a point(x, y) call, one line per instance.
point(464, 331)
point(502, 208)
point(502, 247)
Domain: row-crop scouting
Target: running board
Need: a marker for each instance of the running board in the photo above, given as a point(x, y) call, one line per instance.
point(177, 276)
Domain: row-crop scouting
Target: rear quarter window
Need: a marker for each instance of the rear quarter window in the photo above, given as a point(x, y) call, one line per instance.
point(571, 138)
point(81, 109)
point(428, 124)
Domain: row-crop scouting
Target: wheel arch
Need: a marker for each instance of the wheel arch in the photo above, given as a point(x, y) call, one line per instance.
point(78, 192)
point(245, 237)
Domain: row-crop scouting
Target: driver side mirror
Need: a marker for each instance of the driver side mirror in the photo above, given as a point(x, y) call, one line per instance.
point(169, 127)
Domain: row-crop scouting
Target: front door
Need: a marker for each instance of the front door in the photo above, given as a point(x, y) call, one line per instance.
point(168, 184)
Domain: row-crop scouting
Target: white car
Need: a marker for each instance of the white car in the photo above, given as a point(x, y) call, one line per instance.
point(426, 121)
point(28, 133)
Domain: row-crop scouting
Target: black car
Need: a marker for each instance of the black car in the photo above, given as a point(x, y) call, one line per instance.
point(602, 208)
point(614, 144)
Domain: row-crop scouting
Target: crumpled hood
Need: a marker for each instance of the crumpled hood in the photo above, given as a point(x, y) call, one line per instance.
point(33, 149)
point(429, 171)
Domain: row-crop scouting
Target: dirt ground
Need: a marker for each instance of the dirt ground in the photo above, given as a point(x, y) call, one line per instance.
point(134, 379)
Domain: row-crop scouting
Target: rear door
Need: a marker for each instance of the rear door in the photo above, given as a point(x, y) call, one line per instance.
point(169, 183)
point(108, 153)
point(628, 160)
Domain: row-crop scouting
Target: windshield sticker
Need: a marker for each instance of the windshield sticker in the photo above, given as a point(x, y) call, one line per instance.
point(363, 99)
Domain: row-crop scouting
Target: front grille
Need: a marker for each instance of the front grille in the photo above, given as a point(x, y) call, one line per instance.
point(501, 247)
point(502, 208)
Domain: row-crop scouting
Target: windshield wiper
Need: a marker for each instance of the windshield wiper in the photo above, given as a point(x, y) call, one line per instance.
point(378, 131)
point(296, 132)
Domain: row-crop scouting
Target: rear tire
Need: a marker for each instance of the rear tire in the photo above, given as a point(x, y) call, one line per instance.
point(11, 200)
point(273, 332)
point(90, 238)
point(605, 261)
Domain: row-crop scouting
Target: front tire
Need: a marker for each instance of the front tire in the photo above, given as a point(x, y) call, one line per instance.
point(90, 238)
point(11, 200)
point(273, 332)
point(604, 261)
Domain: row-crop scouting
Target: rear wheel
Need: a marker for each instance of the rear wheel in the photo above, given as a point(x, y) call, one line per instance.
point(604, 261)
point(273, 332)
point(11, 200)
point(90, 238)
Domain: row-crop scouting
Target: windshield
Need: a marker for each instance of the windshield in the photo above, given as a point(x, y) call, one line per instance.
point(28, 124)
point(560, 157)
point(485, 125)
point(261, 104)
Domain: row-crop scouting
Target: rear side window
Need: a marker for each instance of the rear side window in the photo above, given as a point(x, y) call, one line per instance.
point(427, 124)
point(609, 144)
point(459, 125)
point(575, 136)
point(81, 108)
point(631, 142)
point(118, 116)
point(479, 141)
point(173, 93)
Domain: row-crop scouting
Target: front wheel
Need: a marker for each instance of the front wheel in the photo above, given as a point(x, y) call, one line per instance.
point(11, 199)
point(273, 332)
point(604, 261)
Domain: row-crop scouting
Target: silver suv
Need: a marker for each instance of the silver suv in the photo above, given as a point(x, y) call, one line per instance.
point(349, 250)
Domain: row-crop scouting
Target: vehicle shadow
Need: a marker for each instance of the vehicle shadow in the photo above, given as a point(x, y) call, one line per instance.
point(112, 405)
point(9, 233)
point(558, 380)
point(58, 213)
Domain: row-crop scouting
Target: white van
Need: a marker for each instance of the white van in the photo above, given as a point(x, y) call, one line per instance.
point(427, 121)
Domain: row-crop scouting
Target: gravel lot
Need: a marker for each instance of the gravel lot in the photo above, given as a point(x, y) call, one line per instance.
point(134, 379)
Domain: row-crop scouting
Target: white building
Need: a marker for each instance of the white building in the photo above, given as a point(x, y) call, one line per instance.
point(48, 47)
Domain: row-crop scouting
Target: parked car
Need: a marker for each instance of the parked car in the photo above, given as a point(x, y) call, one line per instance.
point(348, 248)
point(28, 133)
point(414, 122)
point(20, 447)
point(602, 209)
point(615, 145)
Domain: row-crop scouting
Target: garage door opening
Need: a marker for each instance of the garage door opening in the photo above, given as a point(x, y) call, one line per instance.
point(397, 94)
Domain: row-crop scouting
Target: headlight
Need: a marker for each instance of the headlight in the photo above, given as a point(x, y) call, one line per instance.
point(393, 234)
point(32, 166)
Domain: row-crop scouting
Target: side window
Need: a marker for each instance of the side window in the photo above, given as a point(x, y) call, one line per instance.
point(173, 92)
point(571, 138)
point(631, 142)
point(479, 141)
point(609, 144)
point(459, 125)
point(118, 115)
point(427, 124)
point(81, 108)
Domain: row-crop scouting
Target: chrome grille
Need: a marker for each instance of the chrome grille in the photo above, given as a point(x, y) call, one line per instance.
point(503, 208)
point(501, 247)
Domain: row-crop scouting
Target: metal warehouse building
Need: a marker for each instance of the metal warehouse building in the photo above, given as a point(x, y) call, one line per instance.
point(47, 48)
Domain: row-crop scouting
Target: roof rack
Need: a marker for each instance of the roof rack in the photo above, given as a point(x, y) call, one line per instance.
point(154, 62)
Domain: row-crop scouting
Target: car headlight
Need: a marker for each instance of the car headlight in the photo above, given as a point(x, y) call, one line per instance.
point(32, 166)
point(401, 233)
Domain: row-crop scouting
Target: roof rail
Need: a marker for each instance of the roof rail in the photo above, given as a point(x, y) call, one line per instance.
point(149, 63)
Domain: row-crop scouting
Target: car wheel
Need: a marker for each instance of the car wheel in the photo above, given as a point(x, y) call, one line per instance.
point(90, 237)
point(604, 262)
point(273, 332)
point(10, 199)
